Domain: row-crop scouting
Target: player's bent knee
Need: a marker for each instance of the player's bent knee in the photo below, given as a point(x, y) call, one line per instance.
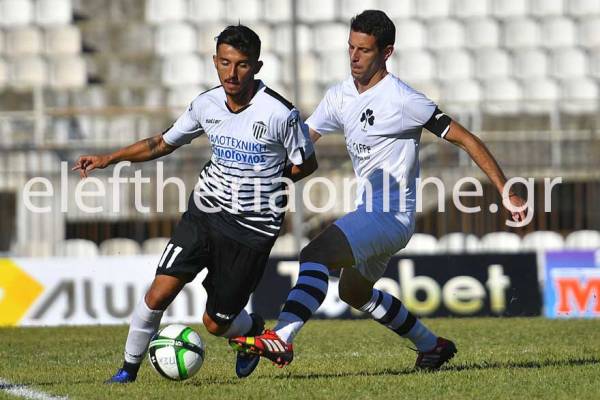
point(314, 252)
point(215, 326)
point(157, 299)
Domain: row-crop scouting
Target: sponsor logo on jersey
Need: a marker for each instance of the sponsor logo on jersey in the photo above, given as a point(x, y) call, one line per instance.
point(212, 121)
point(259, 129)
point(367, 117)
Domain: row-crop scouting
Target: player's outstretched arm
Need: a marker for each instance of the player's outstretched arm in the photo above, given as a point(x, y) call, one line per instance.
point(144, 150)
point(479, 153)
point(297, 172)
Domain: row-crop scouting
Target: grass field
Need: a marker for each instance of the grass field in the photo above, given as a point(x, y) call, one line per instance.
point(529, 358)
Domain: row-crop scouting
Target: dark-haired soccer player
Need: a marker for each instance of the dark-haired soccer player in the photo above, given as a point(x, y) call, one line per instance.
point(227, 229)
point(382, 118)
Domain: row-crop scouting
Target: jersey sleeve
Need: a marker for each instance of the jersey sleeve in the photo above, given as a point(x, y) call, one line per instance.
point(420, 111)
point(186, 128)
point(325, 118)
point(296, 139)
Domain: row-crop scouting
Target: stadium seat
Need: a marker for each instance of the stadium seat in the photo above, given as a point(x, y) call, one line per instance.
point(350, 8)
point(429, 88)
point(594, 63)
point(520, 33)
point(579, 96)
point(508, 9)
point(445, 34)
point(155, 245)
point(271, 70)
point(461, 95)
point(62, 40)
point(207, 33)
point(183, 70)
point(529, 63)
point(568, 63)
point(211, 11)
point(454, 64)
point(310, 11)
point(581, 8)
point(502, 96)
point(458, 242)
point(26, 40)
point(470, 8)
point(492, 64)
point(330, 37)
point(28, 71)
point(500, 242)
point(77, 248)
point(244, 11)
point(421, 243)
point(558, 32)
point(542, 240)
point(589, 32)
point(307, 73)
point(175, 37)
point(181, 96)
point(282, 37)
point(3, 75)
point(265, 33)
point(415, 65)
point(159, 11)
point(410, 34)
point(35, 249)
point(397, 9)
point(311, 95)
point(334, 67)
point(429, 9)
point(119, 247)
point(583, 240)
point(540, 95)
point(285, 246)
point(277, 11)
point(481, 33)
point(16, 12)
point(67, 72)
point(545, 8)
point(53, 12)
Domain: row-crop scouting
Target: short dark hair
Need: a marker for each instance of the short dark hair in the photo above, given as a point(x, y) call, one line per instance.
point(241, 38)
point(375, 23)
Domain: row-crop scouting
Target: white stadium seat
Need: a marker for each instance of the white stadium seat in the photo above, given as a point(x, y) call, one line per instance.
point(500, 242)
point(181, 96)
point(530, 63)
point(461, 95)
point(119, 247)
point(244, 11)
point(585, 239)
point(458, 242)
point(285, 245)
point(67, 72)
point(492, 64)
point(265, 33)
point(282, 37)
point(316, 10)
point(521, 32)
point(271, 70)
point(335, 66)
point(568, 63)
point(3, 73)
point(410, 34)
point(53, 12)
point(309, 68)
point(502, 96)
point(415, 66)
point(328, 37)
point(470, 8)
point(311, 95)
point(210, 11)
point(579, 96)
point(481, 33)
point(558, 32)
point(40, 249)
point(594, 63)
point(542, 240)
point(172, 38)
point(28, 71)
point(206, 34)
point(62, 40)
point(277, 11)
point(159, 11)
point(183, 69)
point(16, 12)
point(581, 8)
point(155, 245)
point(543, 8)
point(26, 40)
point(420, 243)
point(509, 9)
point(350, 8)
point(589, 32)
point(397, 9)
point(540, 95)
point(445, 34)
point(454, 64)
point(77, 248)
point(429, 9)
point(2, 45)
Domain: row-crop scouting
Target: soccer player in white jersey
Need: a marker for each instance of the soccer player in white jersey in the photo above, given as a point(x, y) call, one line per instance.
point(382, 118)
point(257, 140)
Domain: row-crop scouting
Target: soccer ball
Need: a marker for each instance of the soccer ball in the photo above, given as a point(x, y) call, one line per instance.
point(176, 352)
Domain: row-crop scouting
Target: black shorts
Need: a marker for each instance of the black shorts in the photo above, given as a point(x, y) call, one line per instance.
point(234, 270)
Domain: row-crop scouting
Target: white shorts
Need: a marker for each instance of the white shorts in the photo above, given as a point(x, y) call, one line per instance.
point(375, 237)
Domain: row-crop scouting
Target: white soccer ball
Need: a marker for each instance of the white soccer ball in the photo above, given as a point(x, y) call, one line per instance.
point(176, 352)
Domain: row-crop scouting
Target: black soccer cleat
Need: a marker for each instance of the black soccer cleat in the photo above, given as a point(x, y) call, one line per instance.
point(246, 363)
point(432, 360)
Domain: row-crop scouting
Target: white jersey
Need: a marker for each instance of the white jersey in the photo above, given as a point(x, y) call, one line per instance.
point(382, 127)
point(250, 148)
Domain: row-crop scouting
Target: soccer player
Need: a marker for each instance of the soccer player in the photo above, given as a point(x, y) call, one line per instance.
point(382, 118)
point(256, 137)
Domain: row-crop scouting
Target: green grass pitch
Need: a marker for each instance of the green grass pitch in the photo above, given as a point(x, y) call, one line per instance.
point(531, 358)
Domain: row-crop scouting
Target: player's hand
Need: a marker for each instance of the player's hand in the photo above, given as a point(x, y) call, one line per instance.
point(518, 207)
point(86, 164)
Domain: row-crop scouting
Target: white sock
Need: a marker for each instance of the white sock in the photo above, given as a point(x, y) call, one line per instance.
point(144, 324)
point(239, 326)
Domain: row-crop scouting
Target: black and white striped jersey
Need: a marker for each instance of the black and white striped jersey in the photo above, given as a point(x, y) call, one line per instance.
point(250, 149)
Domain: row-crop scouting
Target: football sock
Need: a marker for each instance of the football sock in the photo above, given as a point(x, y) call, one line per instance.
point(390, 312)
point(144, 324)
point(303, 300)
point(241, 325)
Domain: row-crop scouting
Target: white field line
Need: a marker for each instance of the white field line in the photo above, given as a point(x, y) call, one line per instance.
point(25, 392)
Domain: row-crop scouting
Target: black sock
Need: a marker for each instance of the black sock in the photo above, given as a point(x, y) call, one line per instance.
point(131, 369)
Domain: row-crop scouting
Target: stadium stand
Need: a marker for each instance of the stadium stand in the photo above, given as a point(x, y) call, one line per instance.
point(120, 247)
point(502, 242)
point(458, 242)
point(77, 248)
point(155, 245)
point(586, 239)
point(542, 240)
point(421, 243)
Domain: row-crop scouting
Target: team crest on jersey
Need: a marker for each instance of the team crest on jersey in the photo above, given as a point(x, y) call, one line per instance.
point(367, 117)
point(259, 129)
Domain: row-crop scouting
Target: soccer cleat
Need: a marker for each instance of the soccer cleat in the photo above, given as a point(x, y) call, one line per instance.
point(432, 360)
point(246, 363)
point(122, 376)
point(267, 345)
